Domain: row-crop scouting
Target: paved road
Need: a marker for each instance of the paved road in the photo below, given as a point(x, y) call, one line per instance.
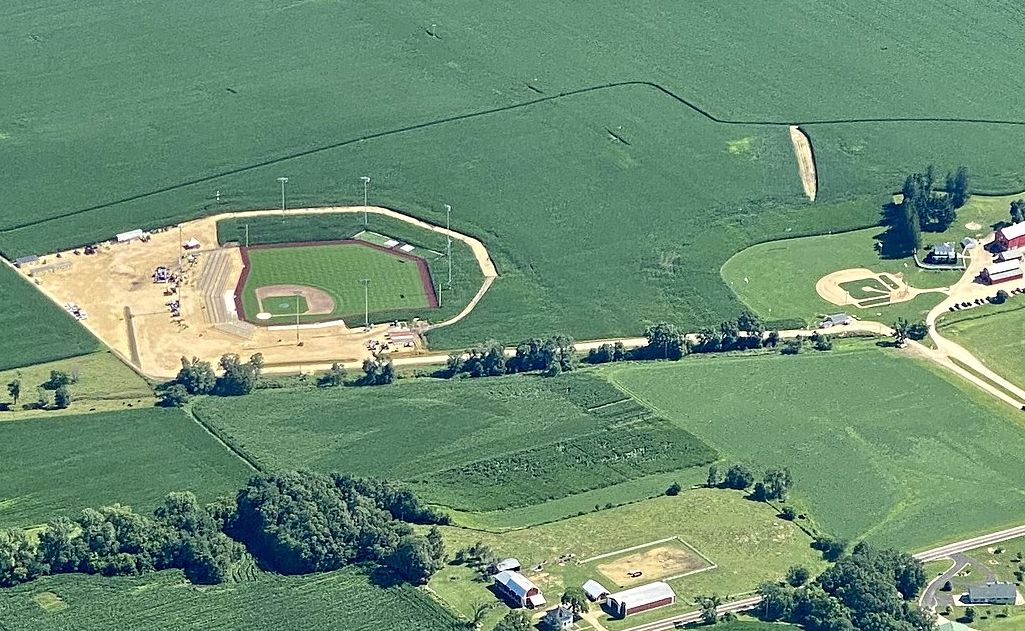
point(941, 552)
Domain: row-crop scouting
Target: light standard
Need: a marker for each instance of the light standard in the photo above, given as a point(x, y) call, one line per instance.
point(448, 252)
point(366, 302)
point(366, 182)
point(283, 180)
point(297, 342)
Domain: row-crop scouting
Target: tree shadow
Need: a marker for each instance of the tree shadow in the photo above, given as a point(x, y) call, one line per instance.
point(383, 577)
point(891, 246)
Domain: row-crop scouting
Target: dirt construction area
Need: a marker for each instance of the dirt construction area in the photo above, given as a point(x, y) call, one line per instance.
point(153, 324)
point(667, 561)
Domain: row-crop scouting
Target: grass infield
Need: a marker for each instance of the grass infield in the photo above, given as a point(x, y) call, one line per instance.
point(397, 281)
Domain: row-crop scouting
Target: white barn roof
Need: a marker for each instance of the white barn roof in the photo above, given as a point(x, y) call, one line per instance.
point(638, 596)
point(128, 236)
point(1008, 255)
point(516, 582)
point(1003, 266)
point(594, 590)
point(504, 564)
point(1014, 230)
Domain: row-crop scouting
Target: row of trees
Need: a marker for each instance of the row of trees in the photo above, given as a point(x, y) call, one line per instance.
point(775, 484)
point(549, 356)
point(925, 209)
point(869, 590)
point(294, 523)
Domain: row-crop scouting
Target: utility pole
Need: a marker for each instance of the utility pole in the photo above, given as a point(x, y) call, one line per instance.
point(366, 302)
point(283, 180)
point(297, 342)
point(247, 235)
point(181, 280)
point(366, 182)
point(448, 253)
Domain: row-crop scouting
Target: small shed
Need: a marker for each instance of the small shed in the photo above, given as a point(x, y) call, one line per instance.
point(837, 319)
point(968, 243)
point(131, 235)
point(557, 619)
point(993, 593)
point(191, 244)
point(505, 565)
point(595, 591)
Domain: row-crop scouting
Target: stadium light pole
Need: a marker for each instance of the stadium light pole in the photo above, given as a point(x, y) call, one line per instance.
point(283, 180)
point(448, 252)
point(366, 183)
point(366, 301)
point(297, 342)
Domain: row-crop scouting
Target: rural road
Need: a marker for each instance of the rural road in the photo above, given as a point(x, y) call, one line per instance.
point(949, 550)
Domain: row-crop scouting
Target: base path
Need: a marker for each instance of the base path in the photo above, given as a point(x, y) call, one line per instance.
point(830, 289)
point(805, 161)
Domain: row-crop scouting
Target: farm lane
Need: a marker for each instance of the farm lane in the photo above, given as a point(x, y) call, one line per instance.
point(928, 599)
point(947, 551)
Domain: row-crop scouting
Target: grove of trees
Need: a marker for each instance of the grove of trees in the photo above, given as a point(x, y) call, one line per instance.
point(923, 208)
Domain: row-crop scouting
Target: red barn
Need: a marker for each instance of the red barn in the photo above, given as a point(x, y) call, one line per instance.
point(519, 589)
point(1002, 272)
point(643, 598)
point(1012, 236)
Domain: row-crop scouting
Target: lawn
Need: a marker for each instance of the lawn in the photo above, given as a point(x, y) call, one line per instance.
point(1002, 560)
point(993, 333)
point(321, 602)
point(58, 466)
point(777, 278)
point(395, 282)
point(876, 441)
point(745, 539)
point(477, 446)
point(35, 329)
point(103, 384)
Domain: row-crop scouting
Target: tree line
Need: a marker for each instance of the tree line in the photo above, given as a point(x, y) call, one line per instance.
point(868, 590)
point(924, 208)
point(775, 484)
point(292, 523)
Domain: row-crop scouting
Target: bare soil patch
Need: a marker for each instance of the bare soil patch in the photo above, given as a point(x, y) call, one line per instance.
point(318, 301)
point(805, 161)
point(652, 564)
point(831, 288)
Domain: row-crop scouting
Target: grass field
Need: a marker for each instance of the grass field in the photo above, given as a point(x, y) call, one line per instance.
point(993, 333)
point(337, 269)
point(891, 429)
point(35, 329)
point(478, 446)
point(322, 602)
point(746, 540)
point(58, 466)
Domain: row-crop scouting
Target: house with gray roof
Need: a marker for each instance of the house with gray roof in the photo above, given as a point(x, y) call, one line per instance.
point(993, 593)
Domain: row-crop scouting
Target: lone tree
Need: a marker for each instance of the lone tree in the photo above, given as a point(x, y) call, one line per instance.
point(900, 332)
point(1018, 211)
point(777, 483)
point(62, 397)
point(710, 609)
point(517, 620)
point(575, 599)
point(197, 376)
point(14, 389)
point(738, 477)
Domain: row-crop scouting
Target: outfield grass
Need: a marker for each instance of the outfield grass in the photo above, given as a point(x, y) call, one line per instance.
point(35, 329)
point(104, 384)
point(395, 281)
point(476, 446)
point(745, 539)
point(904, 444)
point(58, 466)
point(321, 602)
point(995, 334)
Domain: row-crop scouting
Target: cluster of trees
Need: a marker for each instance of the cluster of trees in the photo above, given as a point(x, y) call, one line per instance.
point(198, 377)
point(775, 484)
point(376, 372)
point(114, 540)
point(548, 356)
point(795, 345)
point(1018, 211)
point(870, 590)
point(924, 208)
point(296, 522)
point(904, 330)
point(54, 392)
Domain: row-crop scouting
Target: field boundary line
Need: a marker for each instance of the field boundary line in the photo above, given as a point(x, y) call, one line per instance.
point(630, 549)
point(224, 441)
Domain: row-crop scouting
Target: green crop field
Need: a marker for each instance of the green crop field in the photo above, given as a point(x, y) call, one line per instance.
point(474, 445)
point(876, 441)
point(746, 540)
point(993, 333)
point(35, 329)
point(395, 281)
point(322, 602)
point(58, 466)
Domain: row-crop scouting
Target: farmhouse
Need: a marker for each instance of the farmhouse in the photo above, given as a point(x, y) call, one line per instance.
point(1012, 236)
point(595, 591)
point(643, 598)
point(557, 619)
point(835, 320)
point(996, 593)
point(519, 589)
point(1002, 272)
point(943, 253)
